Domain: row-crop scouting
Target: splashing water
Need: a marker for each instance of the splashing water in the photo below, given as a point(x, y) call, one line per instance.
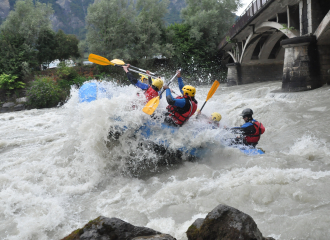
point(59, 169)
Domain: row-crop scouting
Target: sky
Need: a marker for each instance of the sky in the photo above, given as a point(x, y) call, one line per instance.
point(245, 3)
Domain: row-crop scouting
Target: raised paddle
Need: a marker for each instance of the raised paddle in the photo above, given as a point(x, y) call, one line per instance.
point(116, 62)
point(214, 87)
point(122, 63)
point(151, 106)
point(99, 60)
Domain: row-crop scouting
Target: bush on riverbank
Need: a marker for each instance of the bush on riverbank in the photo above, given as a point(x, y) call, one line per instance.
point(44, 92)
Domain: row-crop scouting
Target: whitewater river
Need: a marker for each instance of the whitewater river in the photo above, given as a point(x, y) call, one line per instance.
point(58, 169)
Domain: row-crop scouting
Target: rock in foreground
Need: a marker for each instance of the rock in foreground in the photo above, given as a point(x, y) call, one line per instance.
point(225, 223)
point(115, 229)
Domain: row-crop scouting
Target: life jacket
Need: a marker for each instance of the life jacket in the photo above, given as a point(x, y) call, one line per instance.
point(254, 138)
point(150, 93)
point(180, 115)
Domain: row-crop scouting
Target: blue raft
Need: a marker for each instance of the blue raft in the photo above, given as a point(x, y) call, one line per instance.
point(91, 91)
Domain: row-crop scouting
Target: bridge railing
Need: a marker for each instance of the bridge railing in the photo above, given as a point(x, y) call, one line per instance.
point(254, 7)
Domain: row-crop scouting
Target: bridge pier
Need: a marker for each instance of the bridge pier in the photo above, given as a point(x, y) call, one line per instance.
point(284, 40)
point(301, 64)
point(234, 74)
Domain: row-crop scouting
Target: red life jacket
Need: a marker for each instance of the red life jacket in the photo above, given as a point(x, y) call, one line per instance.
point(178, 116)
point(150, 93)
point(254, 138)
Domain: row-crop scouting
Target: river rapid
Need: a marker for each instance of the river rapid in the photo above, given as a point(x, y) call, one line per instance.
point(58, 170)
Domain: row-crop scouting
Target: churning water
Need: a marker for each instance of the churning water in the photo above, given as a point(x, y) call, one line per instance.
point(58, 169)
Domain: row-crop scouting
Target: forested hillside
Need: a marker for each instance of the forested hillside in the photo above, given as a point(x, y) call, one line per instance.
point(70, 14)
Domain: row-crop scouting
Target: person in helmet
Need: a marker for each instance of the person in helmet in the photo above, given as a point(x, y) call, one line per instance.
point(251, 130)
point(213, 119)
point(181, 108)
point(145, 79)
point(151, 90)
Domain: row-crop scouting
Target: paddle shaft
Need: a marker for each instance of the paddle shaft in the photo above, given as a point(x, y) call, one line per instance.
point(142, 70)
point(132, 70)
point(203, 106)
point(169, 83)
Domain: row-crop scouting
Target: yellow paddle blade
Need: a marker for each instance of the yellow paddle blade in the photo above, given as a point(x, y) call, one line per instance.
point(118, 62)
point(99, 60)
point(214, 87)
point(151, 106)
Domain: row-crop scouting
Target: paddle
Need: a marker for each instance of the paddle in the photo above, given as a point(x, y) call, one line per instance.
point(122, 63)
point(151, 106)
point(99, 60)
point(116, 62)
point(214, 87)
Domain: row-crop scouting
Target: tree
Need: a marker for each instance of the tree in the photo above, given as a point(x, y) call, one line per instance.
point(111, 28)
point(186, 49)
point(209, 20)
point(151, 25)
point(46, 45)
point(15, 53)
point(67, 46)
point(28, 20)
point(19, 34)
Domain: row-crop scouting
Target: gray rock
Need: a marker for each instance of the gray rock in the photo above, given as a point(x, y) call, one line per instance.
point(4, 110)
point(156, 237)
point(103, 228)
point(21, 100)
point(226, 223)
point(198, 222)
point(8, 105)
point(19, 107)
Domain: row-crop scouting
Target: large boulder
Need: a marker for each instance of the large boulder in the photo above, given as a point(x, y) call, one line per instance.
point(225, 223)
point(156, 237)
point(114, 229)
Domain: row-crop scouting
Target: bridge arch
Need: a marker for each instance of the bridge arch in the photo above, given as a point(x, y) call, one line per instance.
point(266, 25)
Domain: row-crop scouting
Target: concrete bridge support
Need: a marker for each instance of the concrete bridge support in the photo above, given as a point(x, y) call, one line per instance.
point(282, 40)
point(234, 74)
point(301, 64)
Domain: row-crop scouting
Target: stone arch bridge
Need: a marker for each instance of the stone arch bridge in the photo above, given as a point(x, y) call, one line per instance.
point(286, 40)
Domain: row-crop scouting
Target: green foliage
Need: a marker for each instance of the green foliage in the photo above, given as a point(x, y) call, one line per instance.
point(46, 46)
point(111, 28)
point(8, 82)
point(209, 20)
point(285, 27)
point(78, 81)
point(44, 92)
point(66, 73)
point(150, 26)
point(67, 46)
point(15, 54)
point(28, 19)
point(187, 50)
point(19, 35)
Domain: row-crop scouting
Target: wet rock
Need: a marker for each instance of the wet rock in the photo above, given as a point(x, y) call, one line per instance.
point(8, 105)
point(12, 107)
point(226, 223)
point(19, 107)
point(112, 229)
point(156, 237)
point(4, 110)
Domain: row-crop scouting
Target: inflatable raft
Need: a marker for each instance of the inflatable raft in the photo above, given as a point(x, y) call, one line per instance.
point(91, 91)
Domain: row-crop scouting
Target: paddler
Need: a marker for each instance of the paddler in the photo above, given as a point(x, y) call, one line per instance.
point(213, 119)
point(150, 91)
point(181, 108)
point(251, 130)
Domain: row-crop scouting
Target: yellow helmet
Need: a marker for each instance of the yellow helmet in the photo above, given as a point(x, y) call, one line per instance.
point(216, 117)
point(143, 77)
point(190, 90)
point(158, 83)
